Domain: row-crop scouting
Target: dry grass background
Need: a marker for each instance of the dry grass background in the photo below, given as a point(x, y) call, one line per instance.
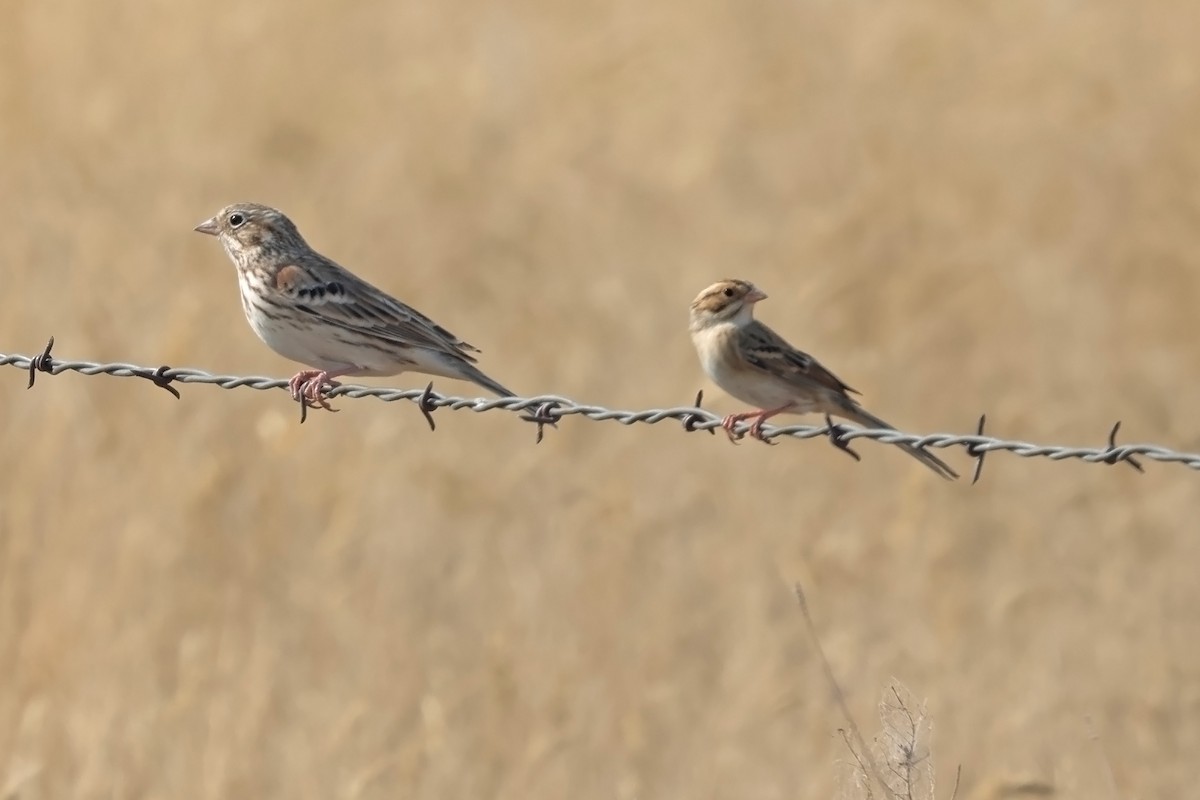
point(961, 207)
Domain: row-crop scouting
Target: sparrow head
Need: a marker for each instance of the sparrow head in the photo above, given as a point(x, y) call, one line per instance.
point(250, 230)
point(726, 301)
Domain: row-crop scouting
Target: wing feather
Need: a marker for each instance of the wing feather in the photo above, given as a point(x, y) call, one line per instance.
point(341, 299)
point(766, 350)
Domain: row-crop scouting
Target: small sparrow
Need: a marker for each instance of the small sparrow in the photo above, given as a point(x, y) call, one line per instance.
point(756, 365)
point(309, 309)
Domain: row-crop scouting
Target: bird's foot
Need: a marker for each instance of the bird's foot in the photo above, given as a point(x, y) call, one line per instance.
point(730, 422)
point(728, 425)
point(756, 431)
point(308, 388)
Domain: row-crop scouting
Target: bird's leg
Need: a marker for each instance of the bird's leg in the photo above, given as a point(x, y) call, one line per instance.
point(732, 420)
point(764, 415)
point(728, 423)
point(761, 416)
point(308, 387)
point(297, 383)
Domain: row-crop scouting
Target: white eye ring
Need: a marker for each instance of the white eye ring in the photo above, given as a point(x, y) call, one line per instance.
point(236, 220)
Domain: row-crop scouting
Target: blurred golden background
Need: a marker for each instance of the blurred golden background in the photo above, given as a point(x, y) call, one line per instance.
point(960, 208)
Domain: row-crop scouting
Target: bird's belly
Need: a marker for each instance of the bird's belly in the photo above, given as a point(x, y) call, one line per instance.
point(742, 381)
point(754, 387)
point(316, 345)
point(290, 341)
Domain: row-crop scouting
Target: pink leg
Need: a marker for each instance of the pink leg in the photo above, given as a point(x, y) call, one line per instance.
point(763, 416)
point(308, 387)
point(755, 431)
point(733, 419)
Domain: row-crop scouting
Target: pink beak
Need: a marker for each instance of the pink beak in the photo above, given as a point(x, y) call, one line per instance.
point(756, 295)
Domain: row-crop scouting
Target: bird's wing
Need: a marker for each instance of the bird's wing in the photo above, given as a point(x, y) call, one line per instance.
point(766, 350)
point(345, 300)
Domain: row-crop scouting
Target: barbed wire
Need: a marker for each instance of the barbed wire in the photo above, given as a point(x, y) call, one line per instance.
point(548, 410)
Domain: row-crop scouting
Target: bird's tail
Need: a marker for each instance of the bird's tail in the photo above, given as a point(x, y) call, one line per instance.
point(475, 375)
point(856, 413)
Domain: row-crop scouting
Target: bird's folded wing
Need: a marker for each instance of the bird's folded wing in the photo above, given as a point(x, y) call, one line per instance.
point(353, 304)
point(766, 350)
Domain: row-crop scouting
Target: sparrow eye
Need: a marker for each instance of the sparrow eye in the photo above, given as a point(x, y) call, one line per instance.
point(236, 220)
point(728, 292)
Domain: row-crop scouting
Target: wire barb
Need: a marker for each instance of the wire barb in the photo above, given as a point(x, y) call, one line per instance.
point(838, 437)
point(977, 451)
point(690, 420)
point(1117, 454)
point(162, 380)
point(41, 363)
point(320, 402)
point(426, 406)
point(543, 416)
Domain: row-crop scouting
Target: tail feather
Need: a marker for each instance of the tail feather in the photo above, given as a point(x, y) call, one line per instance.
point(856, 413)
point(474, 374)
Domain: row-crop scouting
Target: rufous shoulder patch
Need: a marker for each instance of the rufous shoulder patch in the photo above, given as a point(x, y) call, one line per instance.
point(287, 278)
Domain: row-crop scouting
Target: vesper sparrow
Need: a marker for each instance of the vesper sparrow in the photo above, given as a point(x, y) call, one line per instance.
point(309, 309)
point(756, 365)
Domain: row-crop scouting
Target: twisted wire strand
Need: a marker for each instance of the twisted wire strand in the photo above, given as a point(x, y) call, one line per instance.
point(548, 409)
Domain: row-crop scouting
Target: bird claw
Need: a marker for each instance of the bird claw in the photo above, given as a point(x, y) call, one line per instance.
point(308, 389)
point(756, 432)
point(756, 428)
point(728, 424)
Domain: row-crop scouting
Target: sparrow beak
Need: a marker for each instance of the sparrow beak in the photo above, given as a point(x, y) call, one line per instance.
point(209, 226)
point(756, 295)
